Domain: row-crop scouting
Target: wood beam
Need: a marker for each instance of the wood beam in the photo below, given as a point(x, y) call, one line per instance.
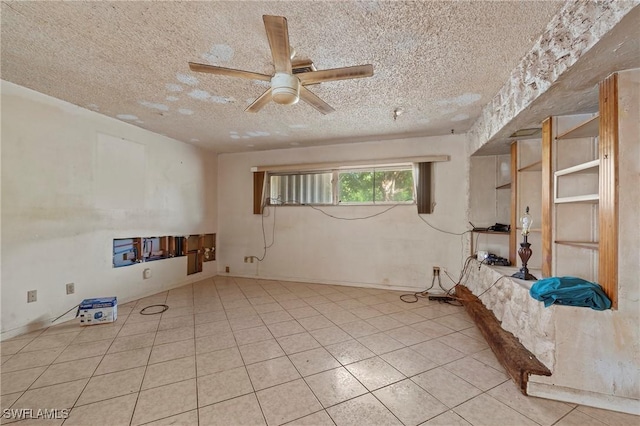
point(514, 357)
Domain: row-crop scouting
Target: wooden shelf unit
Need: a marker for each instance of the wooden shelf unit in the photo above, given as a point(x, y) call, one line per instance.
point(491, 202)
point(588, 198)
point(588, 128)
point(525, 192)
point(533, 167)
point(590, 245)
point(508, 233)
point(580, 231)
point(572, 168)
point(589, 167)
point(518, 228)
point(491, 232)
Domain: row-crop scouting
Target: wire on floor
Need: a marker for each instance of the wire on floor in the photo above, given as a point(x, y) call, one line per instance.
point(57, 318)
point(425, 293)
point(164, 308)
point(464, 275)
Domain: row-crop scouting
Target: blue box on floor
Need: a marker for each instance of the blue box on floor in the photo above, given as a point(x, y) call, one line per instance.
point(98, 311)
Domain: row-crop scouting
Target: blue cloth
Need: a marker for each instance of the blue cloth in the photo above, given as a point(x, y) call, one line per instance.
point(570, 291)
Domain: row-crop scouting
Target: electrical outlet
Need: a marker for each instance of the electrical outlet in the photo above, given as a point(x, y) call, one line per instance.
point(32, 296)
point(71, 288)
point(436, 271)
point(226, 269)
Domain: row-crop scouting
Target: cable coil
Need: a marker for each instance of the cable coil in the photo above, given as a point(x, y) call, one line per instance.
point(164, 308)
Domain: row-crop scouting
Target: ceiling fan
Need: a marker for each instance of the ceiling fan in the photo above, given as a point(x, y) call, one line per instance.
point(287, 87)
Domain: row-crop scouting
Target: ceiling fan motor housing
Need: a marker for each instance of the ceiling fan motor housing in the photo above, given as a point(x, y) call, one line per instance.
point(285, 88)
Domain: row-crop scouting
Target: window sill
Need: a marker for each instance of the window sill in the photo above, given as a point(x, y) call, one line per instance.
point(413, 203)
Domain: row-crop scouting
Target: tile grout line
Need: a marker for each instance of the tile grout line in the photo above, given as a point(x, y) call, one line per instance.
point(195, 360)
point(135, 405)
point(92, 375)
point(341, 365)
point(244, 364)
point(49, 365)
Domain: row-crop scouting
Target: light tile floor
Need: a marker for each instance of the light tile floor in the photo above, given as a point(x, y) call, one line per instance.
point(233, 351)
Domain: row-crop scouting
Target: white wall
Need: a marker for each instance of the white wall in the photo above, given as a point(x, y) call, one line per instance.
point(61, 211)
point(393, 250)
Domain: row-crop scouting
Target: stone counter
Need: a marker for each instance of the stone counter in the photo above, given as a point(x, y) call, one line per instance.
point(518, 312)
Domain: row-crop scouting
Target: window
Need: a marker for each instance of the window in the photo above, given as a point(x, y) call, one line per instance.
point(376, 186)
point(307, 188)
point(383, 185)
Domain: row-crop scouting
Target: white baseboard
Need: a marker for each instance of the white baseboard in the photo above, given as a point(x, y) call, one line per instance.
point(581, 397)
point(327, 282)
point(47, 322)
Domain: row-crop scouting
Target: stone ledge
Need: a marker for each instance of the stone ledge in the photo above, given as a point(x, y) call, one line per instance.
point(519, 362)
point(518, 313)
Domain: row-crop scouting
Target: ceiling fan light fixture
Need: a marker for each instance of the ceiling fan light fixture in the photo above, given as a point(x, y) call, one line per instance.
point(292, 76)
point(285, 89)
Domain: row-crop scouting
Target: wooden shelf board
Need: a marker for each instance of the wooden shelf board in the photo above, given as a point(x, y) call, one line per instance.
point(505, 186)
point(588, 167)
point(591, 245)
point(492, 232)
point(586, 129)
point(589, 198)
point(533, 167)
point(519, 228)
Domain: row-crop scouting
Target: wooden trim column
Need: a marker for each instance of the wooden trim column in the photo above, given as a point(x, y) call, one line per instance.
point(513, 234)
point(608, 190)
point(423, 188)
point(258, 192)
point(547, 197)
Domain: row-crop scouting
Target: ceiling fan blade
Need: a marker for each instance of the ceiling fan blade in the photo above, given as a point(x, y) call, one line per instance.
point(278, 35)
point(260, 102)
point(309, 97)
point(334, 74)
point(212, 69)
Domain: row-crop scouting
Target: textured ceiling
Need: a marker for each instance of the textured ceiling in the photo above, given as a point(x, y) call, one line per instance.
point(440, 61)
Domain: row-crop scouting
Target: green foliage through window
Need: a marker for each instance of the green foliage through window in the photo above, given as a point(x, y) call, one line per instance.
point(376, 186)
